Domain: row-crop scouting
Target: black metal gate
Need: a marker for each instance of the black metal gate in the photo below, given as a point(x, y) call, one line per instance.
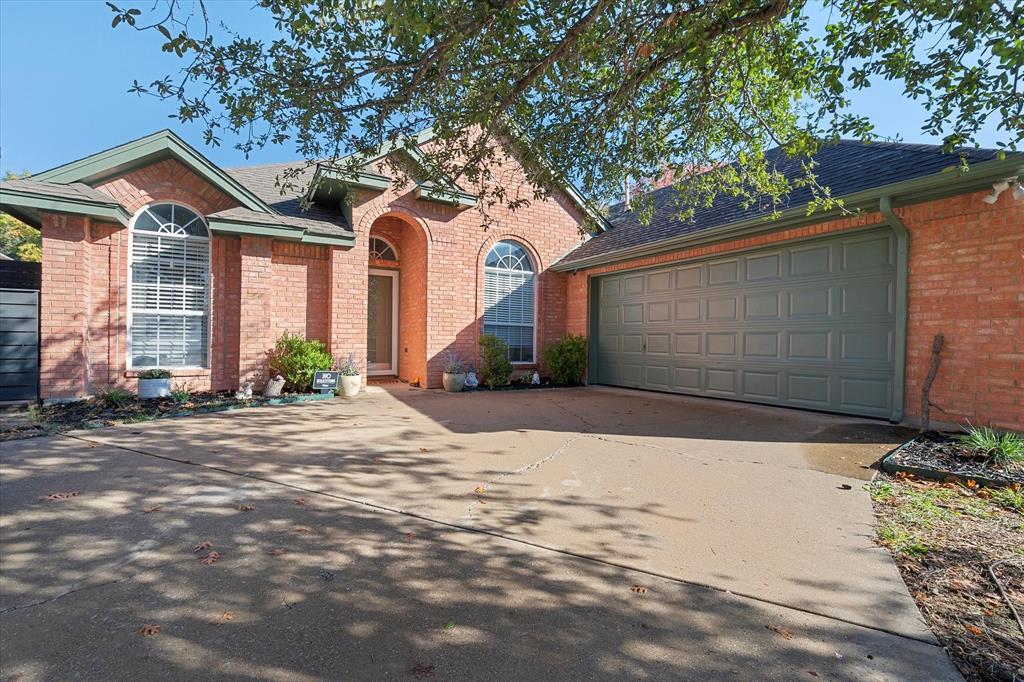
point(19, 331)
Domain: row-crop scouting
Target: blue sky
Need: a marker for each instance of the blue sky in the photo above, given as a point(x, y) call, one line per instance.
point(64, 75)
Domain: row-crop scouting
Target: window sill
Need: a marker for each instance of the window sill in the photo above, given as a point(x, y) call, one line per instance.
point(175, 372)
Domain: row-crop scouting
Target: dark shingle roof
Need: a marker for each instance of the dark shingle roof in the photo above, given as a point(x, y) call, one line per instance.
point(75, 191)
point(262, 181)
point(846, 168)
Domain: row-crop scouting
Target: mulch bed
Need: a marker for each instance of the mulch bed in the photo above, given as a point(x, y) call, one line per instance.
point(94, 413)
point(943, 453)
point(955, 546)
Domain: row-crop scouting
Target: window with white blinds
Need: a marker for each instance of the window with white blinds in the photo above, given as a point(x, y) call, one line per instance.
point(168, 317)
point(509, 299)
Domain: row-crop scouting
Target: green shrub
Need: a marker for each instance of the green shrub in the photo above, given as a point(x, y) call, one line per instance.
point(495, 367)
point(566, 359)
point(116, 398)
point(181, 393)
point(1003, 448)
point(155, 374)
point(296, 359)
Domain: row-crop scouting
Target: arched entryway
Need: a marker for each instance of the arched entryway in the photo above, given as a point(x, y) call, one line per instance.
point(396, 340)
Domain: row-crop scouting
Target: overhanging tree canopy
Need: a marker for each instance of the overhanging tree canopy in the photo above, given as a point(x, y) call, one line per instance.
point(598, 91)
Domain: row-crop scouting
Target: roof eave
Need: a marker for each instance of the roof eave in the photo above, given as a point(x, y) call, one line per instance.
point(906, 192)
point(29, 204)
point(283, 232)
point(143, 151)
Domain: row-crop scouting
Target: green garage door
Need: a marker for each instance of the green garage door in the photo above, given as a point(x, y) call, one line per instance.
point(809, 325)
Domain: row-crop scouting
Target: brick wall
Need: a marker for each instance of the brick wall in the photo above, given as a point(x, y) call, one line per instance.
point(966, 281)
point(299, 278)
point(456, 242)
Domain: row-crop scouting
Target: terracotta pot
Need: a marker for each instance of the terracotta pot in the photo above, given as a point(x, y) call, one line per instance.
point(453, 383)
point(350, 385)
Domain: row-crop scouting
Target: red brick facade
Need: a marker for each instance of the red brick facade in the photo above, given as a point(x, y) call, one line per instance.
point(261, 287)
point(966, 270)
point(966, 281)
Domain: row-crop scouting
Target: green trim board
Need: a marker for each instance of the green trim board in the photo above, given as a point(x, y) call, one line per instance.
point(902, 304)
point(28, 204)
point(903, 193)
point(144, 151)
point(429, 192)
point(239, 227)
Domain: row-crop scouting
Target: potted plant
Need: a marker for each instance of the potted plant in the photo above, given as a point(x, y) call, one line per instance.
point(154, 383)
point(350, 379)
point(454, 377)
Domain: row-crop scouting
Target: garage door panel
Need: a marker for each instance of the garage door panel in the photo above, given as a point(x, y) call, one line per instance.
point(689, 278)
point(762, 305)
point(810, 325)
point(725, 272)
point(761, 385)
point(759, 268)
point(718, 344)
point(722, 381)
point(814, 260)
point(720, 309)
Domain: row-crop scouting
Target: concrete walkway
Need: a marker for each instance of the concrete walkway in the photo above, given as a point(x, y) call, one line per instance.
point(495, 536)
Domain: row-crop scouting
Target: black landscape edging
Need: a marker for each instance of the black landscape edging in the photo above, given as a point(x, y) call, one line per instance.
point(891, 467)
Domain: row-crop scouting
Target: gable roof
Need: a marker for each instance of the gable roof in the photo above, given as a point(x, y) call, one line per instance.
point(26, 199)
point(144, 151)
point(859, 173)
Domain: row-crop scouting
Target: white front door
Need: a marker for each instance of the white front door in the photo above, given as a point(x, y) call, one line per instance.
point(382, 322)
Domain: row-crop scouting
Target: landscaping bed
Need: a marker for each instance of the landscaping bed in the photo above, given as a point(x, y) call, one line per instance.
point(98, 412)
point(956, 545)
point(942, 455)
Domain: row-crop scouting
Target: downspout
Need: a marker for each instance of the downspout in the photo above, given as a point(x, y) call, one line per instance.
point(902, 286)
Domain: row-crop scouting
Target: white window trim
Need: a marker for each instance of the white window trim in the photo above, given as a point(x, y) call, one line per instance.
point(129, 365)
point(536, 288)
point(391, 244)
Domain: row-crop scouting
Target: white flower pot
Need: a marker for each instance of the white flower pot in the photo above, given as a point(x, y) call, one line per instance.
point(453, 383)
point(154, 388)
point(350, 385)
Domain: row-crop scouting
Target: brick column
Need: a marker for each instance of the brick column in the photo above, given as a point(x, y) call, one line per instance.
point(64, 308)
point(347, 273)
point(255, 334)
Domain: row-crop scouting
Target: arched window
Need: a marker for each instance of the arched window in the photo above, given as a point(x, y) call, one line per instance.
point(169, 288)
point(381, 249)
point(509, 298)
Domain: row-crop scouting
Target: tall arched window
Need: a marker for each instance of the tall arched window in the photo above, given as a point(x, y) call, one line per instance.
point(169, 288)
point(509, 298)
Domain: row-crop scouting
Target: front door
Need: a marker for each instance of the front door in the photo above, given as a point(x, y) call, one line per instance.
point(382, 323)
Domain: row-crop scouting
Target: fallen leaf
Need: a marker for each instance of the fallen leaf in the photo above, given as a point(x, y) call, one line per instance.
point(479, 501)
point(786, 634)
point(225, 617)
point(302, 529)
point(812, 673)
point(60, 496)
point(974, 630)
point(300, 502)
point(639, 589)
point(246, 507)
point(150, 510)
point(410, 537)
point(971, 483)
point(94, 445)
point(277, 551)
point(450, 625)
point(424, 450)
point(205, 544)
point(421, 670)
point(149, 630)
point(479, 490)
point(211, 558)
point(845, 486)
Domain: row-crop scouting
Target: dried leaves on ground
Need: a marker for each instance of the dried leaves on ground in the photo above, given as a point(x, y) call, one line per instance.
point(956, 546)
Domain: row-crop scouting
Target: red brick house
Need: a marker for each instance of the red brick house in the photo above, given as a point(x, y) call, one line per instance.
point(153, 256)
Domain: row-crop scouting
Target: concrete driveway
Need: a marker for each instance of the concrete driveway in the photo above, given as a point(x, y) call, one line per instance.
point(572, 534)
